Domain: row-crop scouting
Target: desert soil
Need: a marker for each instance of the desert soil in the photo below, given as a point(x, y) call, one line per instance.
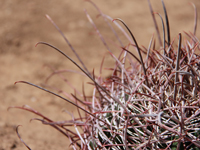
point(23, 24)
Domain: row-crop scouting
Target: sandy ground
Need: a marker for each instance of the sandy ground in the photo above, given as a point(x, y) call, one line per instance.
point(23, 24)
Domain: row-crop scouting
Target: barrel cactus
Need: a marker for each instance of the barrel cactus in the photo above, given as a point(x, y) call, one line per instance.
point(150, 102)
